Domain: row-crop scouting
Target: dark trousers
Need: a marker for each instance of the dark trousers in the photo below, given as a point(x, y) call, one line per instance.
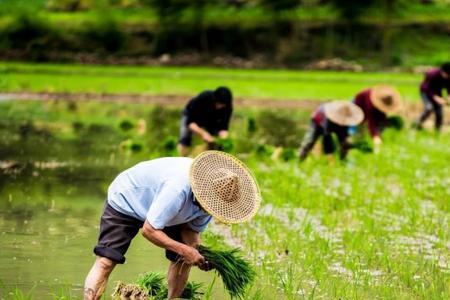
point(312, 135)
point(431, 106)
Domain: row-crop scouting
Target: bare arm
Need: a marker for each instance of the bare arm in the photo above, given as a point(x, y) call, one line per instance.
point(440, 100)
point(201, 132)
point(159, 238)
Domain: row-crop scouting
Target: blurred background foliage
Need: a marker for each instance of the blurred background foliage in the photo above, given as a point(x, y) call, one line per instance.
point(292, 33)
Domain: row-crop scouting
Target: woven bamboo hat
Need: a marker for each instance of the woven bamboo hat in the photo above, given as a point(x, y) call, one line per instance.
point(224, 187)
point(386, 99)
point(343, 113)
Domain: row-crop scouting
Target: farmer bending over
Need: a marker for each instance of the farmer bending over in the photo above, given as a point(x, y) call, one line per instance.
point(207, 115)
point(329, 118)
point(172, 200)
point(431, 92)
point(377, 103)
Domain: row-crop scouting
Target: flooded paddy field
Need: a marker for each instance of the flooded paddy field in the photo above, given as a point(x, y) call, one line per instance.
point(376, 226)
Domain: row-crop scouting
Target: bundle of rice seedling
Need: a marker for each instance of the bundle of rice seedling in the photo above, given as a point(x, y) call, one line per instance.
point(221, 144)
point(153, 282)
point(192, 291)
point(395, 122)
point(232, 267)
point(129, 291)
point(363, 146)
point(156, 288)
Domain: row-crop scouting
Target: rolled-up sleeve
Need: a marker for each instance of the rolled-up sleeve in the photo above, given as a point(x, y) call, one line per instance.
point(166, 205)
point(200, 223)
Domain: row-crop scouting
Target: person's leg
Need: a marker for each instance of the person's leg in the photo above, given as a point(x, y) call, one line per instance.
point(178, 273)
point(328, 146)
point(344, 147)
point(427, 110)
point(183, 150)
point(185, 139)
point(438, 111)
point(116, 233)
point(177, 277)
point(96, 280)
point(309, 140)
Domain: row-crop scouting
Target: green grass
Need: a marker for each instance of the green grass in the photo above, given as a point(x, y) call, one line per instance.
point(275, 84)
point(376, 227)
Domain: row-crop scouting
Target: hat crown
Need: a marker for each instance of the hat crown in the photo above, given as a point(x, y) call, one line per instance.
point(226, 185)
point(346, 111)
point(387, 100)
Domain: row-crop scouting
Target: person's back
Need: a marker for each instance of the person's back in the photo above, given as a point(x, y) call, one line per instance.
point(132, 192)
point(433, 83)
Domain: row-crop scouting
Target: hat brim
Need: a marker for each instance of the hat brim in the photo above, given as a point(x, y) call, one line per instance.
point(333, 112)
point(201, 176)
point(379, 92)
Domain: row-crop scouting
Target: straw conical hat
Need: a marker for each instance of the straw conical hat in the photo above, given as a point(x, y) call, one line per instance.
point(224, 187)
point(343, 113)
point(386, 99)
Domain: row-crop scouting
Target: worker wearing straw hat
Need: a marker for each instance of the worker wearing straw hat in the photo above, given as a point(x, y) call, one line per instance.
point(333, 117)
point(172, 200)
point(377, 103)
point(431, 88)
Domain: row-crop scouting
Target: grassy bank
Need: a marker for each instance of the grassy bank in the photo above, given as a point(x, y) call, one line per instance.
point(274, 84)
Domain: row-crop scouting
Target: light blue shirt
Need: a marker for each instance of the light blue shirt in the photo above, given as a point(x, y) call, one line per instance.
point(158, 190)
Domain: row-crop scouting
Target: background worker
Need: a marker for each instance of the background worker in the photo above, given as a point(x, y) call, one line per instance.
point(172, 200)
point(377, 103)
point(331, 118)
point(207, 115)
point(431, 88)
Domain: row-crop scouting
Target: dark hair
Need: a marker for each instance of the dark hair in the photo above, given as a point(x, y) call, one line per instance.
point(446, 67)
point(223, 95)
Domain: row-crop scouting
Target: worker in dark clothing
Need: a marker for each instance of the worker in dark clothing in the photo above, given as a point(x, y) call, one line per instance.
point(331, 118)
point(207, 115)
point(377, 103)
point(431, 88)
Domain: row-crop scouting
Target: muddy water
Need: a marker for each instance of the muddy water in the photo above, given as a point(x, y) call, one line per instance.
point(47, 235)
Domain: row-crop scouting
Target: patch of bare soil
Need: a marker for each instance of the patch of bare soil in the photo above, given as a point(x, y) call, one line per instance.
point(410, 110)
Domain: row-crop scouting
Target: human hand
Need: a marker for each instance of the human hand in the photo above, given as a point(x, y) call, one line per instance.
point(440, 100)
point(377, 143)
point(207, 266)
point(191, 256)
point(208, 138)
point(223, 134)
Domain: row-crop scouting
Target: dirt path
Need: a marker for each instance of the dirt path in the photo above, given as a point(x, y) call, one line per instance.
point(174, 100)
point(410, 111)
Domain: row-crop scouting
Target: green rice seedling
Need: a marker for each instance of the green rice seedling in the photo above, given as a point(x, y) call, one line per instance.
point(288, 154)
point(395, 122)
point(156, 288)
point(192, 291)
point(222, 144)
point(363, 146)
point(235, 271)
point(153, 282)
